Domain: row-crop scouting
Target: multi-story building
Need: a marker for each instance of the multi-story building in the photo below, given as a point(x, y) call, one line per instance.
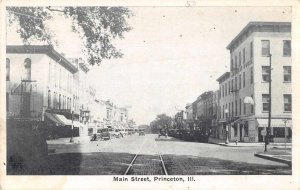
point(39, 84)
point(215, 112)
point(244, 92)
point(205, 111)
point(189, 115)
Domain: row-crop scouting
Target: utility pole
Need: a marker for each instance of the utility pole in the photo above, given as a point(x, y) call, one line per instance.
point(71, 140)
point(270, 105)
point(285, 121)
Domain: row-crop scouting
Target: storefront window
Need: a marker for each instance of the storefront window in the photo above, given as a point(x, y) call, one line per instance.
point(279, 132)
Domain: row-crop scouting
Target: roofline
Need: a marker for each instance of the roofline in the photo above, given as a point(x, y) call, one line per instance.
point(41, 49)
point(223, 75)
point(253, 24)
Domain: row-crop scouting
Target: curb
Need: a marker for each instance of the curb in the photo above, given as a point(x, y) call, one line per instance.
point(275, 159)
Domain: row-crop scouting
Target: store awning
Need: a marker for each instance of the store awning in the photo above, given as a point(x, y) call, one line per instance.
point(63, 119)
point(52, 118)
point(274, 123)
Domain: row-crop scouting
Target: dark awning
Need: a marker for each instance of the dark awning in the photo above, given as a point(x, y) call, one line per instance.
point(52, 118)
point(59, 120)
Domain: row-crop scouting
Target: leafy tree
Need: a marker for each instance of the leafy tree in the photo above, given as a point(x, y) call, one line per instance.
point(161, 121)
point(98, 27)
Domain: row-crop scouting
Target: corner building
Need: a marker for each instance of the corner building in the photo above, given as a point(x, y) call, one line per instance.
point(244, 91)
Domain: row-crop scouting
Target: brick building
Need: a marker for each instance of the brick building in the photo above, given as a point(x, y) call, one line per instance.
point(244, 91)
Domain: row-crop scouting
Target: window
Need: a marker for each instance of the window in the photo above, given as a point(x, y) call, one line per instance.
point(223, 91)
point(235, 83)
point(244, 56)
point(244, 106)
point(286, 47)
point(236, 108)
point(240, 81)
point(240, 59)
point(252, 106)
point(265, 47)
point(287, 98)
point(229, 109)
point(223, 111)
point(265, 102)
point(246, 129)
point(232, 109)
point(231, 85)
point(278, 132)
point(251, 75)
point(265, 73)
point(226, 89)
point(251, 50)
point(59, 102)
point(235, 64)
point(49, 99)
point(27, 69)
point(7, 69)
point(244, 80)
point(231, 66)
point(287, 73)
point(240, 106)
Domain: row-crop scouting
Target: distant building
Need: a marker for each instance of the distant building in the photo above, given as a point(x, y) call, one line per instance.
point(244, 91)
point(205, 112)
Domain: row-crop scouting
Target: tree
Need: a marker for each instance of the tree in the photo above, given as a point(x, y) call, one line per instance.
point(98, 27)
point(162, 120)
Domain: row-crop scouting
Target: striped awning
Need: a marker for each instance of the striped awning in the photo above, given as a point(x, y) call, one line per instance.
point(59, 120)
point(63, 119)
point(274, 123)
point(52, 118)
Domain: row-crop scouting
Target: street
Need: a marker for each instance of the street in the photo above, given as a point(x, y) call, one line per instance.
point(180, 158)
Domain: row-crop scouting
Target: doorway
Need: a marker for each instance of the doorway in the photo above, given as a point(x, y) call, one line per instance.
point(260, 137)
point(241, 132)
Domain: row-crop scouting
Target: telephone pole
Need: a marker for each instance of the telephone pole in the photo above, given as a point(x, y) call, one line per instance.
point(270, 105)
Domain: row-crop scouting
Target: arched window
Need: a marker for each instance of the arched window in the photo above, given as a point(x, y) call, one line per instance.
point(59, 102)
point(7, 69)
point(49, 99)
point(27, 69)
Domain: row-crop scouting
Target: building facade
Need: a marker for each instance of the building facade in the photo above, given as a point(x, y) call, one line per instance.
point(244, 91)
point(39, 85)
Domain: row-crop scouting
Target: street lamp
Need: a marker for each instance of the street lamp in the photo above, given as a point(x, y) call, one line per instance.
point(270, 105)
point(227, 121)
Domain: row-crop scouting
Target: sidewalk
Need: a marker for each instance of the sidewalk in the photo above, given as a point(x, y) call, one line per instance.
point(77, 140)
point(221, 142)
point(276, 156)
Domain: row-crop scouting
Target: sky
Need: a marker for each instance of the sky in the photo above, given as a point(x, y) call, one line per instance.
point(172, 55)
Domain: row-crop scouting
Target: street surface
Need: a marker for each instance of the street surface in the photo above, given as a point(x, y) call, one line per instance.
point(180, 158)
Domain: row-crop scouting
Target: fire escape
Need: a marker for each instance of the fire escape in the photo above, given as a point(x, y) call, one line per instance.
point(27, 91)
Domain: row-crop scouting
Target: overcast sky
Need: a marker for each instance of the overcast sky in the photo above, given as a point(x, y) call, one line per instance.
point(172, 55)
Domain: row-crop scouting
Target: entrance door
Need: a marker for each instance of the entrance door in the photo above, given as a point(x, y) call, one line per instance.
point(260, 137)
point(241, 132)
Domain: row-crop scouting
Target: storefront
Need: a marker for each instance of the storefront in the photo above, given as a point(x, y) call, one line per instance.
point(281, 129)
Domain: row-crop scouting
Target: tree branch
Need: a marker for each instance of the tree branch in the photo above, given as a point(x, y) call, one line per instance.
point(56, 10)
